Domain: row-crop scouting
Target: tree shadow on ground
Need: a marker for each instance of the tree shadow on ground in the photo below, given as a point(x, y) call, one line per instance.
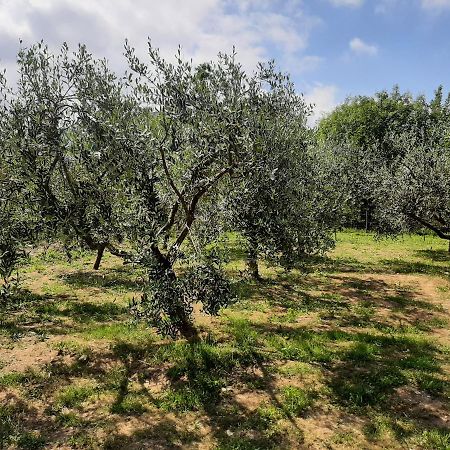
point(48, 314)
point(25, 426)
point(327, 264)
point(81, 311)
point(366, 359)
point(345, 300)
point(160, 433)
point(362, 371)
point(435, 255)
point(367, 370)
point(115, 279)
point(331, 265)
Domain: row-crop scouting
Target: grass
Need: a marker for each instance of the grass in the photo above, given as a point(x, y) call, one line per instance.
point(356, 337)
point(73, 396)
point(296, 401)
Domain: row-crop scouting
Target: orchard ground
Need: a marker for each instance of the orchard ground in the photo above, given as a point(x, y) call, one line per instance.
point(346, 351)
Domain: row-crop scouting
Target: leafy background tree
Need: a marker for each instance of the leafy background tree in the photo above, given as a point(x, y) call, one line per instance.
point(364, 131)
point(281, 203)
point(415, 191)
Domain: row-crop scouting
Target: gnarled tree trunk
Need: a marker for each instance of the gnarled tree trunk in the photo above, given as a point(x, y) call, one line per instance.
point(178, 314)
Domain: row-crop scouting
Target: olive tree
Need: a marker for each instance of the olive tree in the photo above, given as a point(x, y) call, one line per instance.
point(393, 153)
point(18, 222)
point(71, 132)
point(415, 190)
point(204, 137)
point(283, 203)
point(17, 230)
point(362, 130)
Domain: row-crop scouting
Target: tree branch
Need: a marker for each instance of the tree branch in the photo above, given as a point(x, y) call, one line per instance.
point(171, 220)
point(426, 224)
point(171, 182)
point(190, 216)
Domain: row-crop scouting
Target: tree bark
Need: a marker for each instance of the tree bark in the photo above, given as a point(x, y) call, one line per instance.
point(178, 316)
point(98, 260)
point(189, 331)
point(252, 260)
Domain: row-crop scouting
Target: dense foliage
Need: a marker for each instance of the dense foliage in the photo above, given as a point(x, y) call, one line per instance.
point(283, 203)
point(70, 128)
point(394, 152)
point(157, 165)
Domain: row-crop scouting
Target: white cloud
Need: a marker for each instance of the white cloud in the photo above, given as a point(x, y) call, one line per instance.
point(202, 27)
point(435, 4)
point(351, 3)
point(324, 100)
point(432, 6)
point(360, 47)
point(308, 63)
point(385, 6)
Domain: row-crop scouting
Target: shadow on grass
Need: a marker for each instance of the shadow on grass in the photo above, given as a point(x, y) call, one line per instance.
point(350, 300)
point(22, 425)
point(115, 279)
point(161, 433)
point(435, 255)
point(148, 378)
point(364, 369)
point(84, 312)
point(46, 314)
point(326, 264)
point(410, 267)
point(199, 379)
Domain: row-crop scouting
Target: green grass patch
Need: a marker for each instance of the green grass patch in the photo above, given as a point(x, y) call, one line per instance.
point(74, 396)
point(296, 401)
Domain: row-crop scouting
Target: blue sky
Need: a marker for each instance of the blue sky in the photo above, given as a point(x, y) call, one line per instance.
point(406, 43)
point(332, 48)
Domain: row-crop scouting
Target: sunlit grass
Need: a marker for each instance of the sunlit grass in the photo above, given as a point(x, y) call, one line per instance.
point(339, 334)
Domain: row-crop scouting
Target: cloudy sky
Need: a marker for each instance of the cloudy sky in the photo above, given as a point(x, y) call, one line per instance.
point(332, 48)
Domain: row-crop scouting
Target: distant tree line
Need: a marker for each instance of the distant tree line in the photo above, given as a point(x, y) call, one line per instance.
point(396, 150)
point(157, 165)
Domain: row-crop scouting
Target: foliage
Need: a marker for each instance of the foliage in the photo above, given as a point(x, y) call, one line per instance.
point(17, 224)
point(13, 233)
point(415, 190)
point(168, 301)
point(283, 202)
point(70, 128)
point(364, 132)
point(214, 128)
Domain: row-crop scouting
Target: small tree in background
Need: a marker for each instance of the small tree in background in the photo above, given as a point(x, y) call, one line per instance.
point(282, 203)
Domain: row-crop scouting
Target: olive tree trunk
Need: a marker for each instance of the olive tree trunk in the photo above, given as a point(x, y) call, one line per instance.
point(252, 259)
point(177, 313)
point(98, 260)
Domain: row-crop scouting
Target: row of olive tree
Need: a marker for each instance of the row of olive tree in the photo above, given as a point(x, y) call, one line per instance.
point(395, 153)
point(152, 166)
